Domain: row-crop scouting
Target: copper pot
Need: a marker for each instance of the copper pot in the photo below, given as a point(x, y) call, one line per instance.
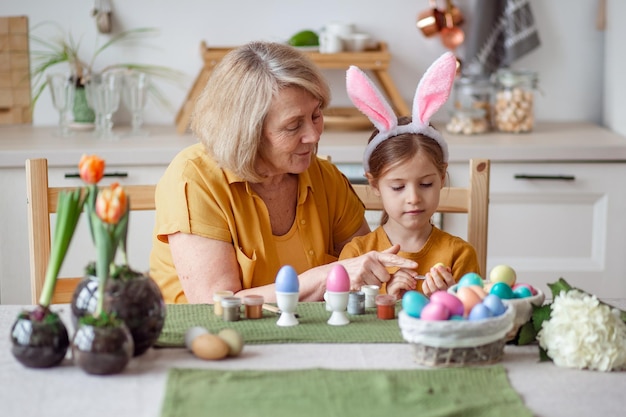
point(430, 21)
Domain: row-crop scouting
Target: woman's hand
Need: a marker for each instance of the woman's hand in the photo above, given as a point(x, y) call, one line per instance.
point(371, 268)
point(402, 281)
point(438, 278)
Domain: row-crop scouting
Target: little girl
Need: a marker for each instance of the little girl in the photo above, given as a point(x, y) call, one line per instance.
point(405, 163)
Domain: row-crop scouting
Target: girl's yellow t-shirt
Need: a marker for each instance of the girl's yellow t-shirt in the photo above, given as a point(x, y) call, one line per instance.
point(196, 196)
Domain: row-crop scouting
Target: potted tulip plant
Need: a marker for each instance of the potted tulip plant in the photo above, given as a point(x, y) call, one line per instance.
point(39, 337)
point(109, 287)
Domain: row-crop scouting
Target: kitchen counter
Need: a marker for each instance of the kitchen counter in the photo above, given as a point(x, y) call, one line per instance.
point(550, 141)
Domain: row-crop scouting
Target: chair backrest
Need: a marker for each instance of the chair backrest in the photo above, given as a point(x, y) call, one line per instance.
point(41, 203)
point(473, 200)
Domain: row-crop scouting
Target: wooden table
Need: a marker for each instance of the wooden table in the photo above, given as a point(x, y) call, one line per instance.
point(66, 390)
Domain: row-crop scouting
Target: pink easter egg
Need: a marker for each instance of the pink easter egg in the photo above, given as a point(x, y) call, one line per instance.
point(435, 312)
point(450, 301)
point(338, 279)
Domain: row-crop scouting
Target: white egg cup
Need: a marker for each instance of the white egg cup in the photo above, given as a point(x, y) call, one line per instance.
point(326, 305)
point(338, 302)
point(287, 302)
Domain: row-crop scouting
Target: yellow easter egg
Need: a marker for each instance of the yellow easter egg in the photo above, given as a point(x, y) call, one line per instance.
point(503, 273)
point(233, 339)
point(209, 346)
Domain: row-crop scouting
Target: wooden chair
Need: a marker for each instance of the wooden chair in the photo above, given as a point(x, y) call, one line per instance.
point(473, 200)
point(41, 203)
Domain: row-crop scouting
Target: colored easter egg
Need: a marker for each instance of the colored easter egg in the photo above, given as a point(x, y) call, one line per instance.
point(413, 302)
point(438, 264)
point(479, 312)
point(435, 312)
point(454, 317)
point(494, 304)
point(209, 346)
point(471, 278)
point(522, 292)
point(502, 290)
point(338, 279)
point(532, 289)
point(233, 339)
point(287, 280)
point(192, 333)
point(453, 303)
point(480, 291)
point(503, 273)
point(469, 299)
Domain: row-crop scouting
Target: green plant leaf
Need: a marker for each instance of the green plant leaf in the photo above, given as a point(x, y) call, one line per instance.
point(527, 334)
point(539, 315)
point(557, 287)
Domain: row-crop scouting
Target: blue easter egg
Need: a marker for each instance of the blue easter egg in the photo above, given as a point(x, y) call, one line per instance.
point(479, 312)
point(494, 304)
point(413, 302)
point(287, 280)
point(522, 292)
point(502, 290)
point(471, 278)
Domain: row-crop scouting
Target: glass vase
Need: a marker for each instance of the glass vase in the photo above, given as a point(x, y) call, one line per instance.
point(39, 343)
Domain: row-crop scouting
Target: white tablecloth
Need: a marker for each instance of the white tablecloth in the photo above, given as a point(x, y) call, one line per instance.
point(67, 391)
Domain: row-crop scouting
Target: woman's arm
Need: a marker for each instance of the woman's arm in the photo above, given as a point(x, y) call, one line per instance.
point(207, 265)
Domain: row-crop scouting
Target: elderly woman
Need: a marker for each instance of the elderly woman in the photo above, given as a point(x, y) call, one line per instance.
point(253, 196)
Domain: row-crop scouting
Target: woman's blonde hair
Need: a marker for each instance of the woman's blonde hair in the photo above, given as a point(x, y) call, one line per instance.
point(229, 114)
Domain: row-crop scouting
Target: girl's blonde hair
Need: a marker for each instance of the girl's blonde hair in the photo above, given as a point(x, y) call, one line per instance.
point(230, 112)
point(401, 148)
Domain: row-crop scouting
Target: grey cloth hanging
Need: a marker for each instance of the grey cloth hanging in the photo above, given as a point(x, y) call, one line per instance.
point(500, 32)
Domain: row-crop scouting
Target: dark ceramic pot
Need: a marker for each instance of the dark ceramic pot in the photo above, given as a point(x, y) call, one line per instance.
point(39, 343)
point(137, 301)
point(102, 350)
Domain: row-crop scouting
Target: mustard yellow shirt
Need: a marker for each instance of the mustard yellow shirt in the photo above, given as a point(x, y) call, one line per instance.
point(441, 246)
point(196, 196)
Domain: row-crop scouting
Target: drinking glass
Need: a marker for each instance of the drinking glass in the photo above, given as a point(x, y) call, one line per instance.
point(89, 87)
point(62, 89)
point(135, 95)
point(105, 95)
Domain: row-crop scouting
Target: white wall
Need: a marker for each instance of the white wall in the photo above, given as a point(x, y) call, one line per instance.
point(570, 61)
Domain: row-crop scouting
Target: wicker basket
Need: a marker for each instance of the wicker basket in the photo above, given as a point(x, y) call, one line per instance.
point(457, 343)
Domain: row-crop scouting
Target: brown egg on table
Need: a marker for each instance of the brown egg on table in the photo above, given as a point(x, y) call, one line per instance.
point(233, 339)
point(210, 347)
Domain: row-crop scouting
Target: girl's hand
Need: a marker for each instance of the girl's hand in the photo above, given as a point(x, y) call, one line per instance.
point(371, 268)
point(402, 281)
point(439, 278)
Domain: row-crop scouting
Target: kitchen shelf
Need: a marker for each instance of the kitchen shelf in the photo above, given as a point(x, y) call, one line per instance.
point(376, 60)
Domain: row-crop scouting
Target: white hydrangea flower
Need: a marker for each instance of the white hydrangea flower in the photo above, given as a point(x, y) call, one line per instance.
point(584, 333)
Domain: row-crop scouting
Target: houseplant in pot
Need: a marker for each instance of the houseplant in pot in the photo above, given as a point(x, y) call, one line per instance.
point(131, 296)
point(39, 337)
point(52, 46)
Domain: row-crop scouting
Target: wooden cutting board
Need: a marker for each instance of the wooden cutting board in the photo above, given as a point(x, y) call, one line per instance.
point(15, 94)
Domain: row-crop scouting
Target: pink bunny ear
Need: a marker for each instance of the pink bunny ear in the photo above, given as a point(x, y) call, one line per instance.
point(434, 88)
point(369, 100)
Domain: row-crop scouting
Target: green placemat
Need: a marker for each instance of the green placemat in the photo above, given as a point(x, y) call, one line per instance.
point(467, 392)
point(365, 328)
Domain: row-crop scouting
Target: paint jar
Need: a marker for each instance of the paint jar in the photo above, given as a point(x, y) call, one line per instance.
point(253, 306)
point(385, 306)
point(356, 302)
point(217, 298)
point(231, 307)
point(370, 291)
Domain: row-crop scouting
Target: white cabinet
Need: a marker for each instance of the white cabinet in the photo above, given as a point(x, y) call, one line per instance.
point(557, 219)
point(14, 257)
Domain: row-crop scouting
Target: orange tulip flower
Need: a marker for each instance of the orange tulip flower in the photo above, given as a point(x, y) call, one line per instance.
point(91, 168)
point(111, 204)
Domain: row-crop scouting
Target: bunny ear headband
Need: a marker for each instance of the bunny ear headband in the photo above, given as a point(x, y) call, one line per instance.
point(432, 92)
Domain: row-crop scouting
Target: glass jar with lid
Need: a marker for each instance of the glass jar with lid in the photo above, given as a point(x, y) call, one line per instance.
point(513, 109)
point(468, 122)
point(472, 100)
